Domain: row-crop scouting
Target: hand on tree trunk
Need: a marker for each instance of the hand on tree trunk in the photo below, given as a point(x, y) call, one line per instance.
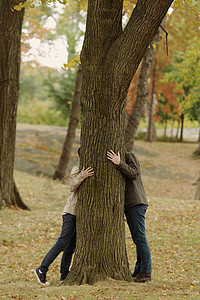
point(115, 158)
point(87, 172)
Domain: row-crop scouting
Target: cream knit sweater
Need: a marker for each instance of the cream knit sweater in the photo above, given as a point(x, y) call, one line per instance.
point(75, 180)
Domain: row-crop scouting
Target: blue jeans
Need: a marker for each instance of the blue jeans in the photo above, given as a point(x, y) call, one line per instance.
point(136, 221)
point(66, 243)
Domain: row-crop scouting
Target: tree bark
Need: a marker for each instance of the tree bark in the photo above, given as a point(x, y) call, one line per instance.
point(109, 60)
point(165, 128)
point(182, 125)
point(142, 92)
point(177, 130)
point(171, 136)
point(149, 136)
point(74, 118)
point(10, 41)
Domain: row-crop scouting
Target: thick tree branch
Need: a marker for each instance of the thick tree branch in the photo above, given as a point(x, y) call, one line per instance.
point(132, 44)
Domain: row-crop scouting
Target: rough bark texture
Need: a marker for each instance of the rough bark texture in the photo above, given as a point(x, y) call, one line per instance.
point(150, 129)
point(109, 59)
point(142, 92)
point(74, 117)
point(10, 36)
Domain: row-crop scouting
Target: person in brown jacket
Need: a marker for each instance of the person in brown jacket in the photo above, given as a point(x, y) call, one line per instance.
point(135, 209)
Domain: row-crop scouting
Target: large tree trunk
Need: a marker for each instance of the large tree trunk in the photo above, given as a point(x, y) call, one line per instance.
point(109, 60)
point(74, 117)
point(142, 92)
point(10, 41)
point(150, 135)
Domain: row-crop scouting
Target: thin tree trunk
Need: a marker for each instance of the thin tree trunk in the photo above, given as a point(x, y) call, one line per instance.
point(182, 125)
point(177, 130)
point(10, 42)
point(142, 92)
point(165, 129)
point(126, 119)
point(110, 57)
point(153, 131)
point(171, 136)
point(69, 140)
point(149, 137)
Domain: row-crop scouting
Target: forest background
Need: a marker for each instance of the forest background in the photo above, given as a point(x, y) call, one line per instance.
point(49, 31)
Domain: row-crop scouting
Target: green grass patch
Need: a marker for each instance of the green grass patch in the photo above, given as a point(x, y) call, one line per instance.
point(168, 139)
point(172, 229)
point(40, 112)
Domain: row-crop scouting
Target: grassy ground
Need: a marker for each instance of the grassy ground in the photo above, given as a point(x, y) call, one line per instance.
point(171, 172)
point(173, 234)
point(172, 223)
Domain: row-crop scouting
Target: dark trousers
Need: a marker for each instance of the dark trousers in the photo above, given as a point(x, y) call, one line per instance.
point(136, 221)
point(66, 243)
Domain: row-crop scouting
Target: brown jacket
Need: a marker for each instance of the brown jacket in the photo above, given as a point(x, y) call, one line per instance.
point(134, 191)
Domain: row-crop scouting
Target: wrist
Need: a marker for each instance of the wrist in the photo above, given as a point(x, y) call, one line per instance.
point(82, 175)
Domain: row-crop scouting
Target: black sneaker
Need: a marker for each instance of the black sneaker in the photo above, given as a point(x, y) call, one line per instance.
point(41, 277)
point(62, 277)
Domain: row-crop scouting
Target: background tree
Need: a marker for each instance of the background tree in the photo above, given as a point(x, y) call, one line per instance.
point(61, 84)
point(151, 130)
point(182, 26)
point(109, 58)
point(167, 109)
point(185, 72)
point(10, 33)
point(31, 83)
point(142, 92)
point(73, 33)
point(74, 118)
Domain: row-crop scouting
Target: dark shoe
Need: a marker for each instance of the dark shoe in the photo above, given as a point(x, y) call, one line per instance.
point(63, 276)
point(134, 274)
point(41, 277)
point(142, 277)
